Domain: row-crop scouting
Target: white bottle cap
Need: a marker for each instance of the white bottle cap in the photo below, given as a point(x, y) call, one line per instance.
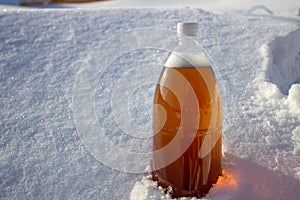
point(187, 29)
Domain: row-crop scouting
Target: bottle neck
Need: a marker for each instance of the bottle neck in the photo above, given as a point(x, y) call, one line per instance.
point(187, 44)
point(189, 40)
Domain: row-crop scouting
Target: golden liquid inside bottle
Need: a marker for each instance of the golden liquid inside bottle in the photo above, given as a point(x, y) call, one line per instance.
point(193, 172)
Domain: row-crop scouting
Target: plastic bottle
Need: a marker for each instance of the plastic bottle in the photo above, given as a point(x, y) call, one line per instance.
point(187, 120)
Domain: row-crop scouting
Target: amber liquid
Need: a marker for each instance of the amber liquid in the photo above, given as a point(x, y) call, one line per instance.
point(190, 174)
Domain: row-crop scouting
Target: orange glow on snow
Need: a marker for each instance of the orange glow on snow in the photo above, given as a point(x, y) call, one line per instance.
point(227, 180)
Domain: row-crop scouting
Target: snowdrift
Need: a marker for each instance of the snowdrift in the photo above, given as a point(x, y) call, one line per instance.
point(76, 90)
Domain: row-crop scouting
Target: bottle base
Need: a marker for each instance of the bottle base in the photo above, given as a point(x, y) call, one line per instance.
point(177, 192)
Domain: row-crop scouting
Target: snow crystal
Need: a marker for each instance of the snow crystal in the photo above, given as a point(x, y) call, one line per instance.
point(294, 98)
point(146, 189)
point(280, 88)
point(296, 138)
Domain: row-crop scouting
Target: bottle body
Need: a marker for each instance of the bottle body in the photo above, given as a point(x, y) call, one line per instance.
point(197, 100)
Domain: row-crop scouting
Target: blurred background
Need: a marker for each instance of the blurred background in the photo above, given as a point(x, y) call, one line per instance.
point(270, 7)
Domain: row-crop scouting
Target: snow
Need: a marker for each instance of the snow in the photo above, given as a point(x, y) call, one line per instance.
point(76, 98)
point(276, 7)
point(254, 6)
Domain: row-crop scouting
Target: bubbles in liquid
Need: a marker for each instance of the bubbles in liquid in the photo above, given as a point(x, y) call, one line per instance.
point(199, 165)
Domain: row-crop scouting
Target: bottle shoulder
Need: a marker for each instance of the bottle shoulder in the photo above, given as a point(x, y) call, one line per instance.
point(187, 59)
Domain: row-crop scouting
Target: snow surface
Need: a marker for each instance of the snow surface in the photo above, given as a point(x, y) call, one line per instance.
point(73, 79)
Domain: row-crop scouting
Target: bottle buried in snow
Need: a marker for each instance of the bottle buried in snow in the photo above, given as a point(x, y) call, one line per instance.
point(187, 120)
